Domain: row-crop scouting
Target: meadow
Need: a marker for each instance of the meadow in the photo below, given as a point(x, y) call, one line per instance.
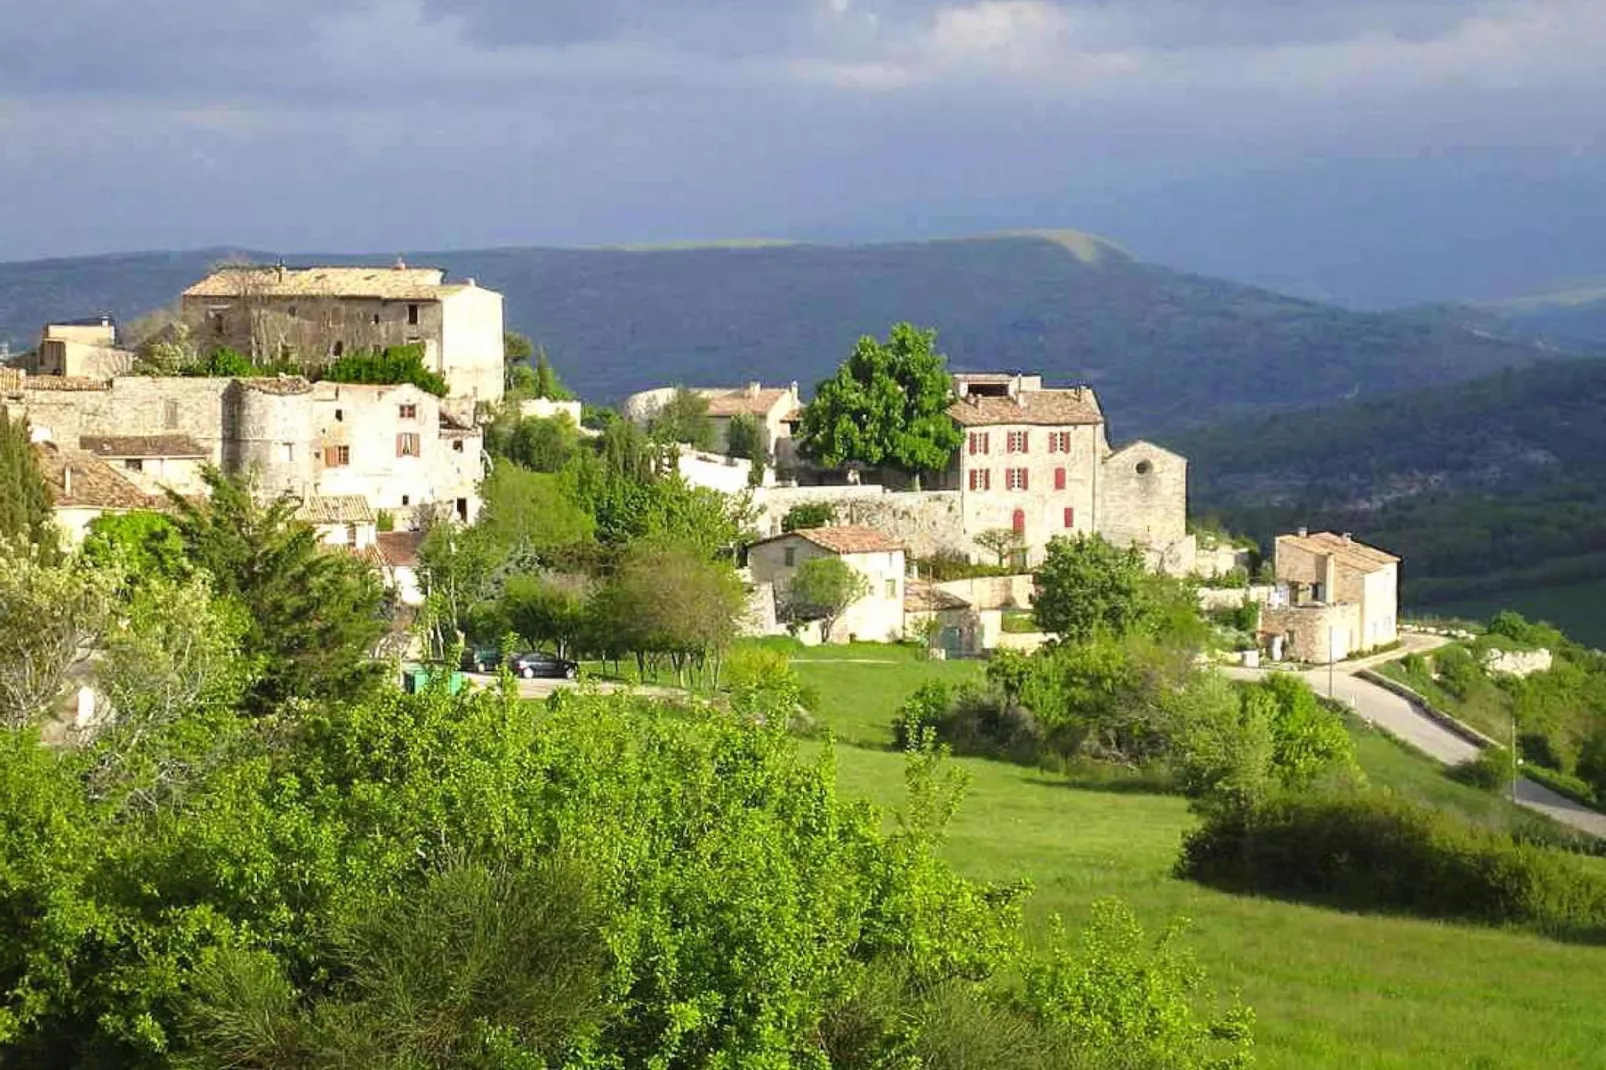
point(1329, 989)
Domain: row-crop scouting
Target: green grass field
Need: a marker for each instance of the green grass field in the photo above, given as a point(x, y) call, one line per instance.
point(1330, 989)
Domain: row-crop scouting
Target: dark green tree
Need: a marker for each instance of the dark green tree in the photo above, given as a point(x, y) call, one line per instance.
point(808, 515)
point(1086, 587)
point(24, 497)
point(743, 438)
point(314, 613)
point(544, 445)
point(887, 405)
point(547, 384)
point(683, 418)
point(147, 542)
point(822, 589)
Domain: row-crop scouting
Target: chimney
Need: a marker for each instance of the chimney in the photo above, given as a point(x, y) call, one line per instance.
point(1348, 537)
point(752, 389)
point(794, 389)
point(1302, 531)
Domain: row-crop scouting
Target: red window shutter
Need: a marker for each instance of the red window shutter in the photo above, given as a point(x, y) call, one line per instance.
point(1070, 518)
point(1025, 481)
point(1025, 442)
point(1020, 521)
point(986, 442)
point(973, 443)
point(1059, 479)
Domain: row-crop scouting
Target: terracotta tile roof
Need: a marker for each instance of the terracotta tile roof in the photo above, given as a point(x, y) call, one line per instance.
point(1053, 408)
point(400, 548)
point(335, 509)
point(93, 483)
point(121, 446)
point(844, 539)
point(65, 383)
point(922, 596)
point(386, 283)
point(732, 402)
point(1356, 555)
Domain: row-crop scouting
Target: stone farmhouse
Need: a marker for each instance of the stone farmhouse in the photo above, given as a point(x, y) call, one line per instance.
point(879, 558)
point(81, 347)
point(1335, 597)
point(397, 447)
point(1033, 460)
point(775, 409)
point(1036, 461)
point(326, 312)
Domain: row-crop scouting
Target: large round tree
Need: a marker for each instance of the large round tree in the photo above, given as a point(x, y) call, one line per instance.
point(887, 405)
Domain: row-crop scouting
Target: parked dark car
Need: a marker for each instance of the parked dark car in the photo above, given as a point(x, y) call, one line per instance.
point(539, 663)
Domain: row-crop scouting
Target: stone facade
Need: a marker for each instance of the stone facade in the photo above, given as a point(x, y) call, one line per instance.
point(323, 313)
point(1518, 663)
point(1315, 633)
point(389, 444)
point(924, 521)
point(85, 348)
point(878, 617)
point(1328, 569)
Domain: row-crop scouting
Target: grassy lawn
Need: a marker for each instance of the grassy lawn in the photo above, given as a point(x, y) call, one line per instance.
point(1330, 989)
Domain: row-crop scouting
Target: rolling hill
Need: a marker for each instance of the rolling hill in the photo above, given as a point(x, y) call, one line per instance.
point(1166, 349)
point(1490, 485)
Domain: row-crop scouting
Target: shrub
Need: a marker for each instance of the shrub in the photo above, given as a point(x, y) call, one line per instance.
point(1489, 770)
point(946, 565)
point(809, 515)
point(1371, 851)
point(396, 364)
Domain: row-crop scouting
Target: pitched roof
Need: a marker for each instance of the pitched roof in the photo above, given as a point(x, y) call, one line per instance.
point(386, 283)
point(400, 548)
point(923, 596)
point(732, 402)
point(335, 509)
point(843, 539)
point(1356, 555)
point(92, 484)
point(1053, 408)
point(121, 446)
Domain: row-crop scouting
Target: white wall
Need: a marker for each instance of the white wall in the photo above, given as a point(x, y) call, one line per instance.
point(875, 618)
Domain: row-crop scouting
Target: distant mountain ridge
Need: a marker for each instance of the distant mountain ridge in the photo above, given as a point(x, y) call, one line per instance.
point(1166, 349)
point(1481, 485)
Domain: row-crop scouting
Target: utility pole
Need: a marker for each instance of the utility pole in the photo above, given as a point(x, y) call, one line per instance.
point(1514, 761)
point(1332, 657)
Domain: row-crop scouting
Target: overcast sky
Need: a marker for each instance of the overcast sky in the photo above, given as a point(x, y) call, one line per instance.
point(1374, 150)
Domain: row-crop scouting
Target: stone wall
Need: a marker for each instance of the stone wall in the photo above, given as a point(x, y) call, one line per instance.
point(993, 592)
point(925, 521)
point(1143, 497)
point(1315, 634)
point(1518, 663)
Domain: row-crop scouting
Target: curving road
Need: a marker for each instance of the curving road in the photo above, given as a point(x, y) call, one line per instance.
point(1402, 719)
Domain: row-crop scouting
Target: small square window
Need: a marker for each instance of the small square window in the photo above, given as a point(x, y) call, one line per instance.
point(407, 444)
point(409, 412)
point(134, 465)
point(337, 456)
point(457, 445)
point(412, 315)
point(340, 416)
point(407, 499)
point(287, 452)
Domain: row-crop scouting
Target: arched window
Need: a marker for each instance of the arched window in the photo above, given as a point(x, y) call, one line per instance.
point(1020, 521)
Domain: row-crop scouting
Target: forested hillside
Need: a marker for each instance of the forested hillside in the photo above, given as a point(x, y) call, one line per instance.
point(1483, 485)
point(1166, 349)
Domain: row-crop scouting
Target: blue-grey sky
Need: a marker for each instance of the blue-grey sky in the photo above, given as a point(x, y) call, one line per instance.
point(1371, 150)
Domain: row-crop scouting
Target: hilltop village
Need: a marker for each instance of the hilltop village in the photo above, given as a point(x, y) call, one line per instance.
point(374, 464)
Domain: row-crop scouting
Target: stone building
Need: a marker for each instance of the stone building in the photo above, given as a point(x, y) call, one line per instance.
point(321, 313)
point(1335, 597)
point(878, 617)
point(154, 463)
point(1036, 461)
point(81, 347)
point(397, 446)
point(776, 410)
point(84, 488)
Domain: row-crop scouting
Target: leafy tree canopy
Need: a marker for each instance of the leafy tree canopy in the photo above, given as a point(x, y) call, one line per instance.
point(1086, 587)
point(24, 497)
point(887, 405)
point(683, 418)
point(822, 589)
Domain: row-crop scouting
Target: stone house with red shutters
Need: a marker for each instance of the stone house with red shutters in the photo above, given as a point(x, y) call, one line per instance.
point(1037, 461)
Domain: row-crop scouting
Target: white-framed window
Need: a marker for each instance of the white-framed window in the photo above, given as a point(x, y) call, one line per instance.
point(407, 445)
point(981, 479)
point(1018, 442)
point(979, 442)
point(1015, 479)
point(1059, 442)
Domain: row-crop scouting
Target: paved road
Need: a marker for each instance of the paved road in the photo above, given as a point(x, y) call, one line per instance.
point(1399, 717)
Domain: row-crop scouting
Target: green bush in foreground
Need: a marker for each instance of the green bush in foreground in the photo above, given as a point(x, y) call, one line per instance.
point(439, 881)
point(1371, 851)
